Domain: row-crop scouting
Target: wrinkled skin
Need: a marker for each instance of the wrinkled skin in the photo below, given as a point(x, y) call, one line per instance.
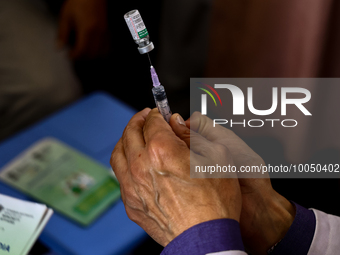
point(266, 216)
point(152, 165)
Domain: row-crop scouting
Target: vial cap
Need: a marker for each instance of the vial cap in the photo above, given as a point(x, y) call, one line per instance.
point(146, 49)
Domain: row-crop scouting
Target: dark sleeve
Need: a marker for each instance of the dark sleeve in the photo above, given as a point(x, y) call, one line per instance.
point(300, 235)
point(207, 237)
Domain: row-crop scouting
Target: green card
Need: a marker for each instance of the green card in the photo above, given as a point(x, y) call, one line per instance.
point(64, 179)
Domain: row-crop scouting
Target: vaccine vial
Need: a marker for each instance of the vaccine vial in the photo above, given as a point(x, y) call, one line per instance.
point(138, 31)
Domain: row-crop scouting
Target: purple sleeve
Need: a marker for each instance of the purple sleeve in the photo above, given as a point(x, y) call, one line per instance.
point(207, 237)
point(300, 235)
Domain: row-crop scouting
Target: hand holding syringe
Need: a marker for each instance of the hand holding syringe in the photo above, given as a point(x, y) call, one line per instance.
point(141, 37)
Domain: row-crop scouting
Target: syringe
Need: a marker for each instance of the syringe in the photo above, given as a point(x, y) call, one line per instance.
point(141, 36)
point(159, 95)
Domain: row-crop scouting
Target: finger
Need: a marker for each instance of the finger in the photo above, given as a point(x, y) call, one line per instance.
point(120, 167)
point(178, 125)
point(118, 162)
point(133, 139)
point(64, 30)
point(137, 199)
point(199, 123)
point(195, 141)
point(205, 127)
point(155, 124)
point(200, 145)
point(187, 123)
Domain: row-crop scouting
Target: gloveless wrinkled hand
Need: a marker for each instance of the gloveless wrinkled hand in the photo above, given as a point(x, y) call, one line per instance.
point(152, 165)
point(266, 215)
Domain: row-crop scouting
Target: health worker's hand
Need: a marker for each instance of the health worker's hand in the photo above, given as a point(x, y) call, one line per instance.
point(266, 215)
point(152, 165)
point(87, 21)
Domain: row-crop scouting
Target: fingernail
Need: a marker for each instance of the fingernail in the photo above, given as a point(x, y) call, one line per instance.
point(180, 120)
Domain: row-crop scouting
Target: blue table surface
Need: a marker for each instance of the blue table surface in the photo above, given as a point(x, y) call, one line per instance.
point(92, 125)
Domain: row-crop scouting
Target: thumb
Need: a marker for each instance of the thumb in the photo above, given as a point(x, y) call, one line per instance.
point(179, 127)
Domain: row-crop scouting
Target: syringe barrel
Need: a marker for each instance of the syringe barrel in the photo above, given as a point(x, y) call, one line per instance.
point(162, 102)
point(138, 31)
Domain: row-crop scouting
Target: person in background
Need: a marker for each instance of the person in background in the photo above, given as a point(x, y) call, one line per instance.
point(285, 39)
point(84, 28)
point(36, 79)
point(45, 48)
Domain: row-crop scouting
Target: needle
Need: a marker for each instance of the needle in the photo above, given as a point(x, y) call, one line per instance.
point(149, 58)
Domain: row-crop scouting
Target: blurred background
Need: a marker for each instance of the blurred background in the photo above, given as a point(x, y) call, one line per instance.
point(53, 52)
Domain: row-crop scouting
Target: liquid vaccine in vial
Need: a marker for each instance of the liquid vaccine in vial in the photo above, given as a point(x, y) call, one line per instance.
point(141, 36)
point(138, 31)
